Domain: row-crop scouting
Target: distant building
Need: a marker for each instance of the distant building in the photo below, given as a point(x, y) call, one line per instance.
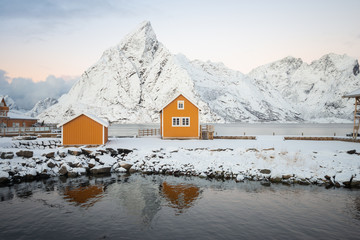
point(356, 95)
point(10, 119)
point(84, 129)
point(179, 119)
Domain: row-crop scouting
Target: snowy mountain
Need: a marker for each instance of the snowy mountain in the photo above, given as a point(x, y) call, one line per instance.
point(314, 90)
point(9, 102)
point(41, 106)
point(134, 79)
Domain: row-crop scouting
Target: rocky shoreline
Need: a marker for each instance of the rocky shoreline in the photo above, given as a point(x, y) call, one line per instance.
point(39, 161)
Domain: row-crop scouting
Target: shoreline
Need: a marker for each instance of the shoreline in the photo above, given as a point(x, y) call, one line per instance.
point(268, 159)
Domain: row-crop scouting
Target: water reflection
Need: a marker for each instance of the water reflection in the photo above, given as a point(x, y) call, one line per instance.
point(142, 207)
point(84, 196)
point(180, 196)
point(139, 196)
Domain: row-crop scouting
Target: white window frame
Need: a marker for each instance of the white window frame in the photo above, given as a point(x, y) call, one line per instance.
point(178, 105)
point(180, 121)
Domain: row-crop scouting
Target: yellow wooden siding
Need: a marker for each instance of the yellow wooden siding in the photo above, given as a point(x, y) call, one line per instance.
point(82, 130)
point(171, 110)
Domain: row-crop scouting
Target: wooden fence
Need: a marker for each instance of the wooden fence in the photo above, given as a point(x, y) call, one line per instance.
point(148, 132)
point(15, 131)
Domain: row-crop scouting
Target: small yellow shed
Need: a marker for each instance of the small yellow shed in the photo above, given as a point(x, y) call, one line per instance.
point(84, 129)
point(179, 119)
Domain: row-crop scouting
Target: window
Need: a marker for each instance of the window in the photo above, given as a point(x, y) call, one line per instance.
point(180, 104)
point(176, 121)
point(181, 122)
point(186, 121)
point(16, 125)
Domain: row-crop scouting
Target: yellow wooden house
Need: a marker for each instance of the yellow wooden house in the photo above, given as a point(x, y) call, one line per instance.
point(180, 119)
point(84, 129)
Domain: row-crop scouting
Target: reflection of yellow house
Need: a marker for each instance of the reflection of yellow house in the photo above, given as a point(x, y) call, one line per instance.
point(84, 196)
point(180, 119)
point(181, 196)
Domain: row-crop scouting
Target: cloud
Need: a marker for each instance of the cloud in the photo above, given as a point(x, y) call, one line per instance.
point(65, 9)
point(26, 93)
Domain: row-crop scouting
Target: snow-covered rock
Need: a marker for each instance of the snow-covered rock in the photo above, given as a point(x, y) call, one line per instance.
point(41, 106)
point(314, 90)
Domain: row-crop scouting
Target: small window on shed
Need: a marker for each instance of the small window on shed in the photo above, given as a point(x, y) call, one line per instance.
point(180, 104)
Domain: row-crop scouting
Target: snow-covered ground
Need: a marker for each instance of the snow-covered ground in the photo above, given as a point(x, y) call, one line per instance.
point(269, 158)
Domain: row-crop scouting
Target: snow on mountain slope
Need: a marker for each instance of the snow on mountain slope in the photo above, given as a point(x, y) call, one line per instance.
point(133, 80)
point(41, 106)
point(314, 90)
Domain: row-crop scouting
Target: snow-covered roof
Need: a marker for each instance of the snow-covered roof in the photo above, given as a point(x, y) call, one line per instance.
point(93, 117)
point(18, 115)
point(353, 94)
point(176, 96)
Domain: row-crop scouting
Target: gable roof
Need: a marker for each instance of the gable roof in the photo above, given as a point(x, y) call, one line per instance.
point(93, 117)
point(176, 96)
point(3, 101)
point(353, 94)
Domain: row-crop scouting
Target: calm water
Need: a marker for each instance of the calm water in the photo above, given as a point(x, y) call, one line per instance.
point(166, 207)
point(238, 129)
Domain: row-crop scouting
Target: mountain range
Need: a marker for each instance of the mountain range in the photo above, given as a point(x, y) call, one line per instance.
point(132, 80)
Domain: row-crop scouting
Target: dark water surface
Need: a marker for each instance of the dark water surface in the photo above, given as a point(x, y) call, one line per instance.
point(166, 207)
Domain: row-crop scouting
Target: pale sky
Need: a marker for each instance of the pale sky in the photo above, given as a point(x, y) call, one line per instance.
point(40, 38)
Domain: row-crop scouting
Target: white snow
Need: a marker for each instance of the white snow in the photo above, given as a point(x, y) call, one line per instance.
point(264, 158)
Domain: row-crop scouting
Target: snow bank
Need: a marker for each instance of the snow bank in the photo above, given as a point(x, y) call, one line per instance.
point(269, 158)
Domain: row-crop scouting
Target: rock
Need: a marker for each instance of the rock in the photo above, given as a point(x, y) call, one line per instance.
point(113, 152)
point(351, 151)
point(327, 177)
point(74, 152)
point(265, 183)
point(132, 170)
point(4, 177)
point(265, 171)
point(303, 182)
point(275, 179)
point(240, 178)
point(51, 164)
point(102, 152)
point(86, 152)
point(268, 149)
point(91, 163)
point(72, 174)
point(121, 170)
point(7, 155)
point(3, 180)
point(355, 183)
point(287, 176)
point(252, 150)
point(100, 170)
point(124, 151)
point(50, 155)
point(63, 170)
point(25, 154)
point(61, 154)
point(127, 166)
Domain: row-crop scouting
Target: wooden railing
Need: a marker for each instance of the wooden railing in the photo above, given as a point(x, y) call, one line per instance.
point(13, 131)
point(148, 132)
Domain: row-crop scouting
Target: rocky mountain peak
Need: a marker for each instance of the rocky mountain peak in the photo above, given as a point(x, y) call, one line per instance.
point(141, 43)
